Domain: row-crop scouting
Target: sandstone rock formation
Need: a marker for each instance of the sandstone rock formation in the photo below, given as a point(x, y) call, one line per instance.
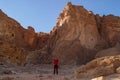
point(111, 29)
point(42, 40)
point(99, 78)
point(16, 42)
point(79, 34)
point(99, 67)
point(74, 31)
point(12, 32)
point(77, 37)
point(118, 70)
point(41, 56)
point(11, 54)
point(108, 52)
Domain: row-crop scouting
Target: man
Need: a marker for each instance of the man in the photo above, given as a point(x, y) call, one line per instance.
point(56, 66)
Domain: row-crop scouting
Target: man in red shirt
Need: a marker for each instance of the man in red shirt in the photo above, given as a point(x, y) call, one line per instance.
point(56, 66)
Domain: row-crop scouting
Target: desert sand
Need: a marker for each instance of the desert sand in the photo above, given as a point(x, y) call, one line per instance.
point(44, 72)
point(35, 72)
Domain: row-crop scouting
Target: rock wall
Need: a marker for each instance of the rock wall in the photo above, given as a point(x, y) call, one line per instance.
point(76, 34)
point(16, 42)
point(10, 54)
point(111, 29)
point(79, 34)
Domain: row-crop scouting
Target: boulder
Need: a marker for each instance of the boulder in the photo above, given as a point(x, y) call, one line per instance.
point(99, 67)
point(118, 70)
point(99, 78)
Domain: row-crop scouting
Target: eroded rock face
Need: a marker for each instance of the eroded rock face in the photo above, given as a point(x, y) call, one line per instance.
point(11, 54)
point(99, 67)
point(41, 56)
point(16, 42)
point(42, 40)
point(80, 32)
point(108, 52)
point(76, 38)
point(76, 23)
point(12, 32)
point(76, 32)
point(111, 29)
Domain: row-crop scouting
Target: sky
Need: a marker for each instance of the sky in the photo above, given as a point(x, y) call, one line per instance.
point(42, 14)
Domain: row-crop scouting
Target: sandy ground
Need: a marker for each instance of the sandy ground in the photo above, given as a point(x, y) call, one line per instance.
point(43, 72)
point(35, 72)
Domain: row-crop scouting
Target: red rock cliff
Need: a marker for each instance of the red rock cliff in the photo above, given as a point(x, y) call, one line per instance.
point(79, 34)
point(16, 42)
point(76, 38)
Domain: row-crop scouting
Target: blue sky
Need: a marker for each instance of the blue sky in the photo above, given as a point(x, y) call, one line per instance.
point(42, 14)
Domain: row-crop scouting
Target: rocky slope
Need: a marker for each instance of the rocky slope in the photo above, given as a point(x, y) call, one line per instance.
point(16, 42)
point(76, 32)
point(99, 67)
point(78, 36)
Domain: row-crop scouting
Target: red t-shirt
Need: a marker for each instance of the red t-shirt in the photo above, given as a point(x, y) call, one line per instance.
point(55, 61)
